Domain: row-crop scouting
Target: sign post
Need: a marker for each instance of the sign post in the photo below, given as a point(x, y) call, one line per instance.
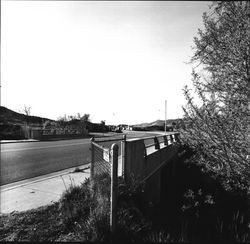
point(113, 197)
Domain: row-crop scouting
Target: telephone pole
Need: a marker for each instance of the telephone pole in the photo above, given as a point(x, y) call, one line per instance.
point(165, 116)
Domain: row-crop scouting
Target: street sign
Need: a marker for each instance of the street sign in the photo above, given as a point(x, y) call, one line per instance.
point(106, 155)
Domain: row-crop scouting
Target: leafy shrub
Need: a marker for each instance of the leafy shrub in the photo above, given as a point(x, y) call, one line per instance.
point(218, 127)
point(209, 209)
point(157, 236)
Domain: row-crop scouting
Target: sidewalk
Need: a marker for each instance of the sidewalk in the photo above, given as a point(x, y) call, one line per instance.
point(91, 134)
point(39, 191)
point(14, 141)
point(42, 190)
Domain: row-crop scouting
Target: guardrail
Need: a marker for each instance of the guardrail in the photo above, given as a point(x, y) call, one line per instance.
point(165, 140)
point(144, 155)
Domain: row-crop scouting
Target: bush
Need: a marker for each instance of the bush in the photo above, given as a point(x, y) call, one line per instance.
point(218, 126)
point(11, 132)
point(75, 204)
point(199, 209)
point(205, 210)
point(85, 210)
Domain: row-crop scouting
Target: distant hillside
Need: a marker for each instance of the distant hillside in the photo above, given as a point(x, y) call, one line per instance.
point(159, 123)
point(8, 116)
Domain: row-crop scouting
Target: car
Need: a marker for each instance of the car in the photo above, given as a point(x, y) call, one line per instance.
point(118, 130)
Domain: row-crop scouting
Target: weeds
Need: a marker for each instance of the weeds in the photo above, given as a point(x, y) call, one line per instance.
point(199, 212)
point(75, 204)
point(78, 170)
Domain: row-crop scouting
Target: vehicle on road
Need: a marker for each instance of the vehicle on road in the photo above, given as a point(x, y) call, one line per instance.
point(118, 130)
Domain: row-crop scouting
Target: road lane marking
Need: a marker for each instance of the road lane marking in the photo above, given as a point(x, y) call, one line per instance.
point(31, 148)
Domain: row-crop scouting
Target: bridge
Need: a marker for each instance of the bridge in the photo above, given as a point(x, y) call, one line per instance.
point(147, 158)
point(144, 159)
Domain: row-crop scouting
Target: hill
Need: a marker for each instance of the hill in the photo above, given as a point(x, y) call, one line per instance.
point(159, 123)
point(13, 124)
point(8, 116)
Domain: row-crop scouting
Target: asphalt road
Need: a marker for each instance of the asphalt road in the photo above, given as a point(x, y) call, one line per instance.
point(25, 160)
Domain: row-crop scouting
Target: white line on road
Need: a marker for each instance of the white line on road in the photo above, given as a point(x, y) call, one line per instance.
point(31, 148)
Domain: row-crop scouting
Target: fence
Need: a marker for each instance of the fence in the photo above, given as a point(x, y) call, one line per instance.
point(121, 150)
point(45, 134)
point(139, 157)
point(104, 161)
point(100, 159)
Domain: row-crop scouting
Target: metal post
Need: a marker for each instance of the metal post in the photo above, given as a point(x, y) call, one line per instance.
point(165, 140)
point(165, 116)
point(171, 139)
point(157, 145)
point(113, 197)
point(92, 160)
point(177, 137)
point(123, 153)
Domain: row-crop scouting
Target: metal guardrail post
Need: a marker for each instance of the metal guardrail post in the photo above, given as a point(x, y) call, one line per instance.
point(123, 153)
point(165, 140)
point(92, 160)
point(113, 197)
point(157, 145)
point(177, 137)
point(171, 139)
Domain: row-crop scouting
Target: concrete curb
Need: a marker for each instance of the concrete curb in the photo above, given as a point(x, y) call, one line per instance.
point(56, 139)
point(42, 178)
point(40, 191)
point(17, 141)
point(33, 140)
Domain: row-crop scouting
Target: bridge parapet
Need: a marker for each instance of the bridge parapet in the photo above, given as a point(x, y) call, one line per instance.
point(144, 159)
point(143, 155)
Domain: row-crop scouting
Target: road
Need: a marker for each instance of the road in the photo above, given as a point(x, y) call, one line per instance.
point(21, 161)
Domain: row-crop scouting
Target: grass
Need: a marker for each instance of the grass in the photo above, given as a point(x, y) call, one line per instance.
point(195, 207)
point(82, 214)
point(200, 210)
point(42, 224)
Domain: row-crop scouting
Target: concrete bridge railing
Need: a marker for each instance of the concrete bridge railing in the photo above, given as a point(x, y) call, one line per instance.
point(144, 159)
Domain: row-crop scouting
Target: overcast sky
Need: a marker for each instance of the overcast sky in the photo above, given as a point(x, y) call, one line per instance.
point(117, 61)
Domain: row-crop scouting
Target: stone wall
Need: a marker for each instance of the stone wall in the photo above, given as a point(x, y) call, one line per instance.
point(56, 134)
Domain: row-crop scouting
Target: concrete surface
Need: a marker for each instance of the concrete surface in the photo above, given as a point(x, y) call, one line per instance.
point(42, 190)
point(15, 141)
point(27, 160)
point(39, 191)
point(45, 189)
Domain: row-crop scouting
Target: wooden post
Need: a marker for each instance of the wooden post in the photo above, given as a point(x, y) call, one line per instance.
point(113, 197)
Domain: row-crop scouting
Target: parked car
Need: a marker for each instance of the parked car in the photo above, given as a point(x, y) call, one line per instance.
point(118, 130)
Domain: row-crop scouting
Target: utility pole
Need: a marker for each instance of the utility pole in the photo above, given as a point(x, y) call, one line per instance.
point(165, 116)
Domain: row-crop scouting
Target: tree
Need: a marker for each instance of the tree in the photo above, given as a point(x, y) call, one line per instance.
point(26, 110)
point(219, 128)
point(78, 116)
point(85, 118)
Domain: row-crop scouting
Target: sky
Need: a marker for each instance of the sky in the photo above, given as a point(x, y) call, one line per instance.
point(116, 60)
